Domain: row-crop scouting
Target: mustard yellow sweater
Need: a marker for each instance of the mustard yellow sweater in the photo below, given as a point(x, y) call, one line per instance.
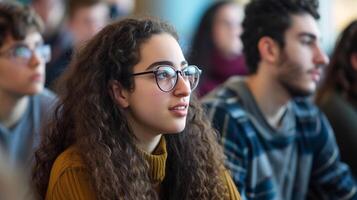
point(69, 179)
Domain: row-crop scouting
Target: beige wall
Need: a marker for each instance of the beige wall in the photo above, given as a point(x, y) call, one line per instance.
point(344, 12)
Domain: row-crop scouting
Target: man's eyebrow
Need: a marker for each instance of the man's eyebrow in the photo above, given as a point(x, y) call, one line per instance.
point(19, 43)
point(307, 34)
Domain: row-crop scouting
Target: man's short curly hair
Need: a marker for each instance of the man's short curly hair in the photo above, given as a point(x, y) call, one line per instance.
point(270, 18)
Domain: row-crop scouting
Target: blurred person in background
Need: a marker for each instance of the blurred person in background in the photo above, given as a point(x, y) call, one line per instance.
point(52, 13)
point(120, 8)
point(337, 95)
point(24, 103)
point(13, 183)
point(84, 18)
point(216, 45)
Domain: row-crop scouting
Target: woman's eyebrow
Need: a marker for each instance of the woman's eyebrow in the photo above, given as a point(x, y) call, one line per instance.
point(165, 62)
point(159, 63)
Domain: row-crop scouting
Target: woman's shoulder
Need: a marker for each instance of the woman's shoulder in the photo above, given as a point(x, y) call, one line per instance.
point(69, 159)
point(233, 193)
point(69, 177)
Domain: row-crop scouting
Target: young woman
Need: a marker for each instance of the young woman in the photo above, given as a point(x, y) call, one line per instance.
point(127, 126)
point(216, 45)
point(337, 96)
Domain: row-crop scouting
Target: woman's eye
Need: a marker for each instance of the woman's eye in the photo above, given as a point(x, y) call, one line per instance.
point(189, 72)
point(163, 75)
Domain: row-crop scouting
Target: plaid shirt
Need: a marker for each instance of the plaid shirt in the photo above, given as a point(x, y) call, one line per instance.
point(303, 164)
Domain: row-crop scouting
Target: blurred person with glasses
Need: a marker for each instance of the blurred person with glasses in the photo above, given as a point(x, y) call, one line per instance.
point(24, 103)
point(128, 125)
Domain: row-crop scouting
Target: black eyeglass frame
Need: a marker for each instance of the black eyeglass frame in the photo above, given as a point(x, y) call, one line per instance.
point(176, 71)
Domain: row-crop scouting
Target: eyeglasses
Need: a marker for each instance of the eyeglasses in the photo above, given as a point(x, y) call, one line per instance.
point(22, 53)
point(166, 76)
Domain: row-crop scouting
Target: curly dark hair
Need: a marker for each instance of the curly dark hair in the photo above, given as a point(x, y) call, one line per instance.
point(340, 75)
point(270, 18)
point(17, 20)
point(88, 116)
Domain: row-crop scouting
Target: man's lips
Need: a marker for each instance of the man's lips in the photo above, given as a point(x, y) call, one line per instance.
point(315, 74)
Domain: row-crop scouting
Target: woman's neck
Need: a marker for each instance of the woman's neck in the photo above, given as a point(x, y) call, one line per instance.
point(147, 138)
point(12, 108)
point(148, 144)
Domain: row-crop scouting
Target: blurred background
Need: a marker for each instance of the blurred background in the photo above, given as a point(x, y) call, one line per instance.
point(185, 15)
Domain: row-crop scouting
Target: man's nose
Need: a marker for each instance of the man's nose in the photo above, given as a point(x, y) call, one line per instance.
point(321, 58)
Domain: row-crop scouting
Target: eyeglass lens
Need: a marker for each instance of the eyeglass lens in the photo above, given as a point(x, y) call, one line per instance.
point(24, 53)
point(167, 77)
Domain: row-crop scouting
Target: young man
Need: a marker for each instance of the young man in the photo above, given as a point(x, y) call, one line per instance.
point(278, 144)
point(23, 99)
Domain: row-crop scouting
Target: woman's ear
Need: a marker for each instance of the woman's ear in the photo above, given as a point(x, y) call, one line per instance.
point(354, 61)
point(119, 94)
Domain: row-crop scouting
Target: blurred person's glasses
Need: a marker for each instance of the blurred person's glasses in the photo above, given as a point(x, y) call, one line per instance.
point(22, 53)
point(166, 76)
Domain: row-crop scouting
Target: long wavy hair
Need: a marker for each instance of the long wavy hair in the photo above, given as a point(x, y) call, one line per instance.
point(87, 116)
point(340, 74)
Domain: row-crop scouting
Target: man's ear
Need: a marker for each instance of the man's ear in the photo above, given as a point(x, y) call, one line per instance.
point(119, 94)
point(269, 49)
point(354, 61)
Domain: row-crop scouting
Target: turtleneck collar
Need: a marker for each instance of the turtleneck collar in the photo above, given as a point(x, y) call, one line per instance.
point(157, 162)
